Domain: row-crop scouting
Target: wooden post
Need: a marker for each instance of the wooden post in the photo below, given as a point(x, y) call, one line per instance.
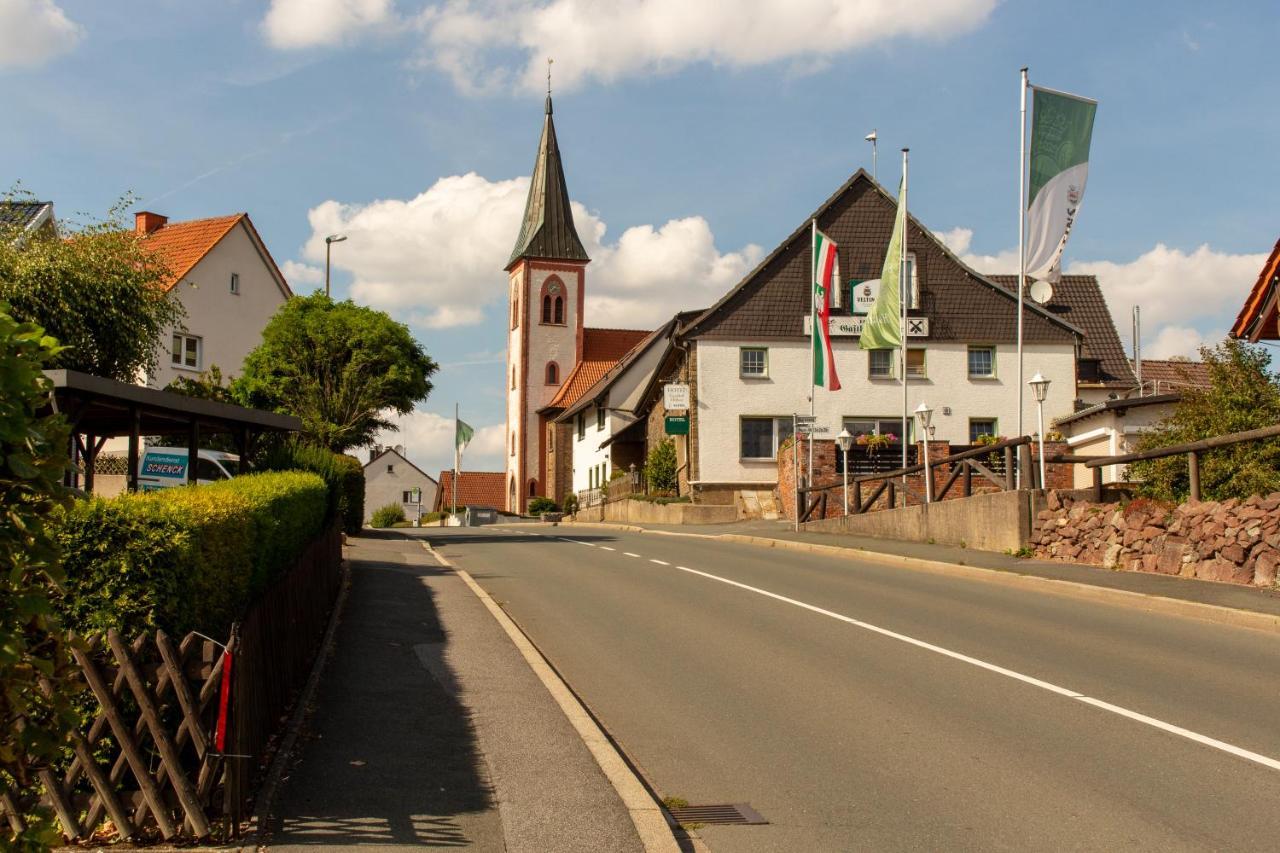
point(1193, 466)
point(892, 497)
point(1008, 468)
point(1097, 484)
point(135, 426)
point(91, 447)
point(968, 478)
point(857, 496)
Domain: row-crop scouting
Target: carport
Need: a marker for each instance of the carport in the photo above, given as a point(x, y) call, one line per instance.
point(100, 409)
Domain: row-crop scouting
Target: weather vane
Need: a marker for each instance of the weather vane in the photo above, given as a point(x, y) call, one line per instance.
point(549, 61)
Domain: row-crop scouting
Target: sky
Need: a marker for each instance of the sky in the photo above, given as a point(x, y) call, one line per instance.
point(695, 135)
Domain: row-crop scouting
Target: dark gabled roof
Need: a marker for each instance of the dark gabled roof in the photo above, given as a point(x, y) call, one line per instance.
point(1257, 320)
point(963, 305)
point(1120, 405)
point(1175, 373)
point(546, 230)
point(22, 216)
point(402, 458)
point(1078, 300)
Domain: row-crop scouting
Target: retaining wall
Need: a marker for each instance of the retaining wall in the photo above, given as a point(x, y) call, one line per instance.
point(644, 512)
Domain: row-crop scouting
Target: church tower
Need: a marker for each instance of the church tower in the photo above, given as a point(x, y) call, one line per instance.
point(546, 282)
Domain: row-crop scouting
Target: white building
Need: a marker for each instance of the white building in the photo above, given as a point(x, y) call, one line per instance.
point(390, 478)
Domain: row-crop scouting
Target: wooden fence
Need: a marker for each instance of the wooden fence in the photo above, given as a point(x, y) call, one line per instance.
point(179, 730)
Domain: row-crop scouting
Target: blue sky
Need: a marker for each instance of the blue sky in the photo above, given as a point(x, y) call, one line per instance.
point(692, 141)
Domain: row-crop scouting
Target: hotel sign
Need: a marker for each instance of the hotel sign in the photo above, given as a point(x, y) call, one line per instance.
point(675, 398)
point(851, 327)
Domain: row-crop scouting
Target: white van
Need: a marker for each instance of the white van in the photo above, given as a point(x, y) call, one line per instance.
point(165, 467)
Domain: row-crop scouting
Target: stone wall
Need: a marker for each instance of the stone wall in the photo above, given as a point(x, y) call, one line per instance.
point(1232, 541)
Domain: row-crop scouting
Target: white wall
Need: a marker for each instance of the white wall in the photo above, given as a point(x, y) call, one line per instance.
point(230, 325)
point(382, 487)
point(587, 452)
point(724, 396)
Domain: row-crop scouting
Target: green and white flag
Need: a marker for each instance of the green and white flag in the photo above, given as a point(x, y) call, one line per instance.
point(1061, 129)
point(462, 435)
point(883, 327)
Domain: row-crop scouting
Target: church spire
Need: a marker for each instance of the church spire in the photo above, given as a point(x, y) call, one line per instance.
point(547, 231)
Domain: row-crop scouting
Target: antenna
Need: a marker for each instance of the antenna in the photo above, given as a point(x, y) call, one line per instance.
point(549, 61)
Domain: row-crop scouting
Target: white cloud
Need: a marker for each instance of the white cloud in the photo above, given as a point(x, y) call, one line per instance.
point(297, 273)
point(487, 45)
point(1173, 341)
point(34, 31)
point(436, 259)
point(294, 24)
point(428, 442)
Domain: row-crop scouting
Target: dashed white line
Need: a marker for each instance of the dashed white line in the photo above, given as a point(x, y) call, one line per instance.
point(629, 554)
point(659, 562)
point(607, 548)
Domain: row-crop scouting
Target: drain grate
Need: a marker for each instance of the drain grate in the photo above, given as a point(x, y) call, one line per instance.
point(725, 813)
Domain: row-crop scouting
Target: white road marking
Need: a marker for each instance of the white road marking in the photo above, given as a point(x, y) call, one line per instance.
point(1265, 761)
point(629, 554)
point(576, 541)
point(607, 548)
point(659, 562)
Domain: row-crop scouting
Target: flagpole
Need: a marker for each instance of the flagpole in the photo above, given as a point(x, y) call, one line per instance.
point(813, 346)
point(453, 510)
point(1022, 240)
point(903, 295)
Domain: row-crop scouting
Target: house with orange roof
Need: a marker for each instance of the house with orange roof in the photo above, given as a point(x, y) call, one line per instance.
point(225, 278)
point(1259, 319)
point(482, 489)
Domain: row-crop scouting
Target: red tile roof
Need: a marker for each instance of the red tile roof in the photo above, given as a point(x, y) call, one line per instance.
point(1257, 320)
point(601, 350)
point(475, 488)
point(184, 244)
point(1173, 374)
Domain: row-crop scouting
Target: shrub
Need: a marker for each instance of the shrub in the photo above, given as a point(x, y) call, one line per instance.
point(344, 476)
point(660, 467)
point(571, 503)
point(538, 506)
point(187, 558)
point(386, 516)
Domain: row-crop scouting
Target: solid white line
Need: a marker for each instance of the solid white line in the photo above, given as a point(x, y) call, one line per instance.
point(629, 554)
point(1008, 673)
point(659, 562)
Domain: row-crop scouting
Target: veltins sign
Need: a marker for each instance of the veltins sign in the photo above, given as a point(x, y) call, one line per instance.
point(864, 295)
point(675, 398)
point(677, 425)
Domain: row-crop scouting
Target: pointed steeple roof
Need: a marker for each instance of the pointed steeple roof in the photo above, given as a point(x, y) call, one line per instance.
point(547, 231)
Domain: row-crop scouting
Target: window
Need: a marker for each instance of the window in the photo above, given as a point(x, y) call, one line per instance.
point(546, 309)
point(412, 496)
point(515, 305)
point(235, 283)
point(979, 427)
point(533, 488)
point(553, 373)
point(553, 298)
point(880, 363)
point(559, 312)
point(982, 362)
point(753, 362)
point(207, 469)
point(582, 425)
point(186, 351)
point(600, 417)
point(913, 282)
point(551, 439)
point(513, 377)
point(760, 437)
point(869, 425)
point(391, 469)
point(915, 364)
point(513, 442)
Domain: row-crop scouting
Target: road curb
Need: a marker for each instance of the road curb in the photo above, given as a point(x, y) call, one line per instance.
point(1216, 613)
point(647, 816)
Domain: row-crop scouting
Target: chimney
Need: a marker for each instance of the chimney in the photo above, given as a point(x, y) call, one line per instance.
point(146, 222)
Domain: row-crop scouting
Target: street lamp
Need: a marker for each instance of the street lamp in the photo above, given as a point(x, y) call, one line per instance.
point(845, 440)
point(924, 415)
point(1040, 387)
point(328, 243)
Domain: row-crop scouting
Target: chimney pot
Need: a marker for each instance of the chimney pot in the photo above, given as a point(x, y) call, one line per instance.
point(146, 222)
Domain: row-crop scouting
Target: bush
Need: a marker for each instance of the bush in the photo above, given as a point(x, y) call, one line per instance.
point(660, 467)
point(187, 558)
point(386, 516)
point(344, 476)
point(538, 506)
point(571, 503)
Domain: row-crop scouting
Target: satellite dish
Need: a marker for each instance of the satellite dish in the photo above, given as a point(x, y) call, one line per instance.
point(1041, 292)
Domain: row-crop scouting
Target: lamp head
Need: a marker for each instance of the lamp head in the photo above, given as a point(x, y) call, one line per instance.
point(925, 414)
point(1039, 386)
point(871, 137)
point(845, 440)
point(335, 238)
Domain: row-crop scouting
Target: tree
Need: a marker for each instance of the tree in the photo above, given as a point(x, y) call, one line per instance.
point(33, 653)
point(1244, 394)
point(660, 467)
point(97, 289)
point(339, 367)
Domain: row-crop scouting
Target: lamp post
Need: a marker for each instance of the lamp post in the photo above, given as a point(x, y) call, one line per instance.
point(328, 244)
point(1040, 387)
point(845, 440)
point(924, 415)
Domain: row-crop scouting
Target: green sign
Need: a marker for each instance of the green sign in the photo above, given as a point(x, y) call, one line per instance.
point(677, 424)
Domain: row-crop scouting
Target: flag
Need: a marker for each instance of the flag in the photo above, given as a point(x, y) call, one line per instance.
point(883, 327)
point(1061, 129)
point(462, 435)
point(826, 274)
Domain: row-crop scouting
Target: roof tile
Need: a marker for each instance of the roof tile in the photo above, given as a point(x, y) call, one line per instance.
point(601, 350)
point(475, 488)
point(183, 244)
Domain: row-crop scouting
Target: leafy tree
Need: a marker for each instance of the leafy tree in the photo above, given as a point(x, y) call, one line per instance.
point(660, 467)
point(208, 385)
point(97, 289)
point(338, 366)
point(1244, 395)
point(33, 654)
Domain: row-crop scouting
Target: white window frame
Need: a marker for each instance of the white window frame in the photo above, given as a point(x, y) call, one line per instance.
point(995, 424)
point(178, 353)
point(777, 421)
point(969, 365)
point(891, 374)
point(235, 283)
point(601, 418)
point(913, 272)
point(879, 420)
point(764, 362)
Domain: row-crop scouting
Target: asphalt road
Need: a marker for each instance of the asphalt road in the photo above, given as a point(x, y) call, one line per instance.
point(863, 707)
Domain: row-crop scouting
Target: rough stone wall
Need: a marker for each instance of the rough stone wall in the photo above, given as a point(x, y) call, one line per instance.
point(560, 462)
point(1232, 541)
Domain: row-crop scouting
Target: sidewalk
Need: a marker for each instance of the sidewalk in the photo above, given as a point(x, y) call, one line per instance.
point(430, 730)
point(1165, 586)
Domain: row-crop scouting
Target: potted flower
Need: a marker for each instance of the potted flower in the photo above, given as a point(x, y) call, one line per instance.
point(875, 442)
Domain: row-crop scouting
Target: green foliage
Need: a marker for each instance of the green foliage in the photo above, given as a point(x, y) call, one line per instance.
point(571, 503)
point(97, 289)
point(340, 367)
point(208, 385)
point(344, 476)
point(1244, 395)
point(660, 467)
point(32, 648)
point(187, 558)
point(661, 500)
point(387, 516)
point(537, 506)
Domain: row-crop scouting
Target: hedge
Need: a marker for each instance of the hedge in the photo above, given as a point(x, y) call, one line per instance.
point(343, 474)
point(187, 558)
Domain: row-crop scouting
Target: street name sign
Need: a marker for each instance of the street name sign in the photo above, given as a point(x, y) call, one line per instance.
point(675, 398)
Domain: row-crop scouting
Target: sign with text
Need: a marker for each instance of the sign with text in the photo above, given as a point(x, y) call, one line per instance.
point(864, 295)
point(675, 398)
point(677, 425)
point(851, 327)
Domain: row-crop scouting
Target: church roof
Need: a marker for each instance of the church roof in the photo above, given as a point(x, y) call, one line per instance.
point(601, 350)
point(547, 231)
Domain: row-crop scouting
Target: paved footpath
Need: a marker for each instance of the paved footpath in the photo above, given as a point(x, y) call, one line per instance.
point(431, 730)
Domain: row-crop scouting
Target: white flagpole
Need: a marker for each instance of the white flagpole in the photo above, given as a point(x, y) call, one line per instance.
point(457, 461)
point(1022, 241)
point(903, 294)
point(813, 346)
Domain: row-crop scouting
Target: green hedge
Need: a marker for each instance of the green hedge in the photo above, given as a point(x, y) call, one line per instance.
point(343, 474)
point(185, 559)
